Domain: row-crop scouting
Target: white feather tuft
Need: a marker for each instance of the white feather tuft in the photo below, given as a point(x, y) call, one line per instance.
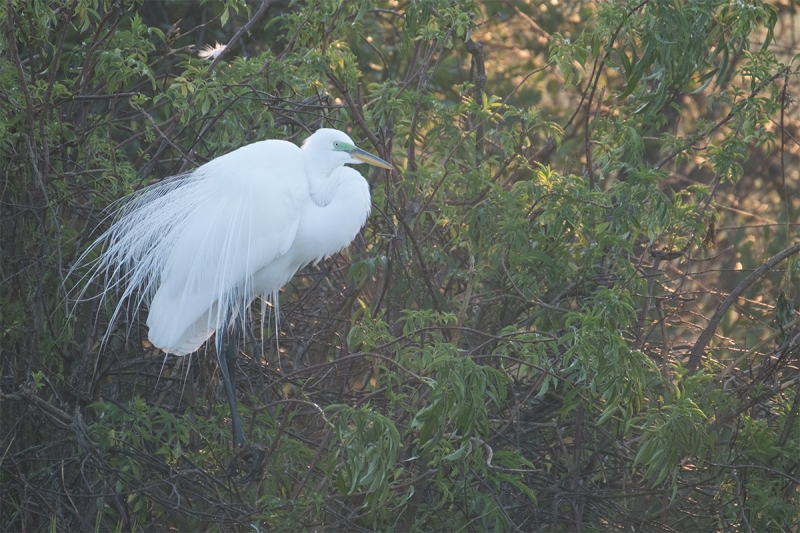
point(211, 52)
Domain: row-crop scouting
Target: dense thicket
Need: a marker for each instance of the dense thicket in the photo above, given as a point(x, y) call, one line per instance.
point(571, 309)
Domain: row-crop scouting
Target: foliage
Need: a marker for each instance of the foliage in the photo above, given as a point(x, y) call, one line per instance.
point(507, 346)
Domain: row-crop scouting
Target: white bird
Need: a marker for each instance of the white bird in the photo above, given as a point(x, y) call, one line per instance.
point(199, 247)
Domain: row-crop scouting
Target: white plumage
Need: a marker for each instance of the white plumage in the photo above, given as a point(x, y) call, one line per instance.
point(201, 246)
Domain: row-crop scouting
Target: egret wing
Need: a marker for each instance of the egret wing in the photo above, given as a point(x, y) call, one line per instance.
point(245, 217)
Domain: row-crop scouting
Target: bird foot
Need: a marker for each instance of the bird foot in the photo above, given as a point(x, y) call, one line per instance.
point(253, 458)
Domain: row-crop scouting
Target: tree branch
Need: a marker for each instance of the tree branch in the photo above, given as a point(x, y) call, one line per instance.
point(262, 9)
point(699, 347)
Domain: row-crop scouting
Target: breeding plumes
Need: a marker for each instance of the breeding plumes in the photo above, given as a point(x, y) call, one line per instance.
point(197, 248)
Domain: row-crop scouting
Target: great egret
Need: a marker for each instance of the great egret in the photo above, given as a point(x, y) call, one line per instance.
point(199, 247)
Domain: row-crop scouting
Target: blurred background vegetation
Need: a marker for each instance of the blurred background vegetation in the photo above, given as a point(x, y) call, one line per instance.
point(572, 308)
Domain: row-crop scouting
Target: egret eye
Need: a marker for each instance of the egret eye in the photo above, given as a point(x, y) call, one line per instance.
point(337, 144)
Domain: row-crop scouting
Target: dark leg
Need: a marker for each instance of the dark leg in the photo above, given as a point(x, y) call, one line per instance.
point(227, 352)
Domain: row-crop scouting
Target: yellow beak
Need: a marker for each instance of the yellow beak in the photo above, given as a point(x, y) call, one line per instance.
point(370, 159)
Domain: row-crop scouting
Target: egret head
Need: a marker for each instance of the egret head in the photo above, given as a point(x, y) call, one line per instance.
point(334, 148)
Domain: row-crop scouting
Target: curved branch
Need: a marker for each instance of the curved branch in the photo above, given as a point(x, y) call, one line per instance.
point(699, 347)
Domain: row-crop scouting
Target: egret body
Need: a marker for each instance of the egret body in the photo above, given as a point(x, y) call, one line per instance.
point(199, 247)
